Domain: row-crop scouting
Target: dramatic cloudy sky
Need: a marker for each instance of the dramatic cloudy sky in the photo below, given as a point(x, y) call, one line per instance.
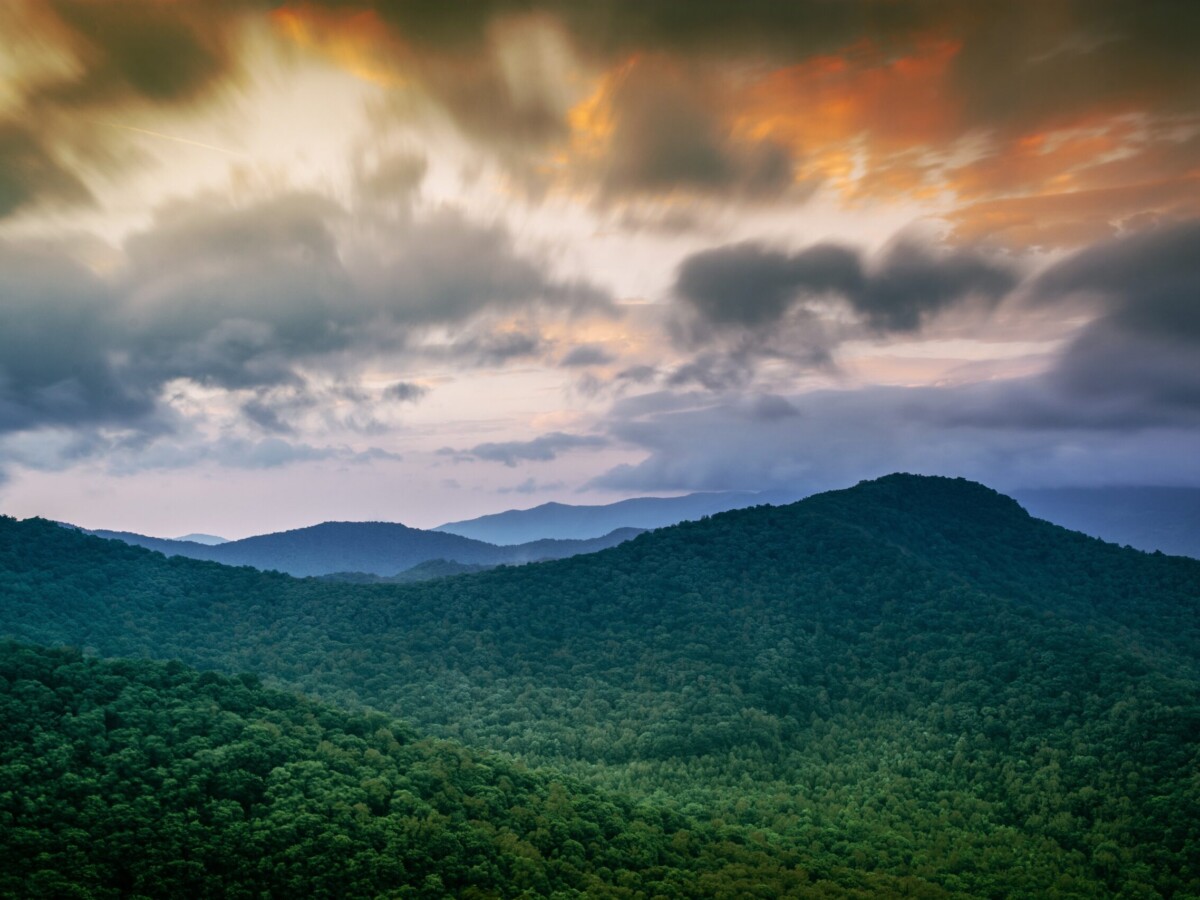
point(264, 264)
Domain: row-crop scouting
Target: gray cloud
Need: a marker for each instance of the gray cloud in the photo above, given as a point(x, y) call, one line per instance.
point(1119, 403)
point(127, 455)
point(640, 374)
point(1148, 280)
point(495, 348)
point(56, 342)
point(741, 304)
point(29, 171)
point(544, 448)
point(1137, 362)
point(666, 137)
point(266, 417)
point(251, 301)
point(405, 392)
point(445, 269)
point(241, 453)
point(910, 284)
point(838, 437)
point(751, 286)
point(586, 355)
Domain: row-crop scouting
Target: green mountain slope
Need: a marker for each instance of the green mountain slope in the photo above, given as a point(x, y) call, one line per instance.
point(139, 779)
point(912, 672)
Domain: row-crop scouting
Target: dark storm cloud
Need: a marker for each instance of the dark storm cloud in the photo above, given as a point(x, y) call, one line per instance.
point(1137, 362)
point(910, 285)
point(626, 25)
point(752, 286)
point(56, 342)
point(233, 297)
point(666, 137)
point(242, 299)
point(541, 449)
point(154, 51)
point(895, 79)
point(497, 71)
point(118, 56)
point(229, 297)
point(1149, 280)
point(742, 304)
point(1033, 62)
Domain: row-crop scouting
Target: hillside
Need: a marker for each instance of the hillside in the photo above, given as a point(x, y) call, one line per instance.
point(913, 673)
point(561, 520)
point(1147, 518)
point(374, 548)
point(152, 780)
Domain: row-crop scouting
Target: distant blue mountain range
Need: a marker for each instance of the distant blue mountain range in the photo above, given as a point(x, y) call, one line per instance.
point(376, 548)
point(561, 520)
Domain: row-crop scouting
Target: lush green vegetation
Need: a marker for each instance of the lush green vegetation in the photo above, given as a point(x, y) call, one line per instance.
point(426, 571)
point(140, 779)
point(911, 678)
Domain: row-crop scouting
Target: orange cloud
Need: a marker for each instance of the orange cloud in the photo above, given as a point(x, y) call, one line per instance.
point(358, 42)
point(924, 112)
point(1078, 217)
point(833, 110)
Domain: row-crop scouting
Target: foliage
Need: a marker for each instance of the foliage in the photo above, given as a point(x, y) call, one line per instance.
point(140, 779)
point(911, 678)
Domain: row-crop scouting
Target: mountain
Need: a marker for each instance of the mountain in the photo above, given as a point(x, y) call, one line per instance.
point(138, 779)
point(560, 520)
point(912, 678)
point(1148, 518)
point(200, 538)
point(373, 548)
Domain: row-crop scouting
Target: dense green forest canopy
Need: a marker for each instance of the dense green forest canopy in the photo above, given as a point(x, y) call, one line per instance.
point(141, 779)
point(913, 674)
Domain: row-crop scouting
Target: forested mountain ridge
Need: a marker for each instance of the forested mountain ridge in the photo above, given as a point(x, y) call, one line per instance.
point(141, 779)
point(376, 548)
point(913, 670)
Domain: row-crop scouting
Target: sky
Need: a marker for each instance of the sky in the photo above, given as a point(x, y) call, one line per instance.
point(269, 264)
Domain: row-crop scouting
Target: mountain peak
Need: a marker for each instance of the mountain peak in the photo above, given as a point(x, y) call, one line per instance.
point(932, 494)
